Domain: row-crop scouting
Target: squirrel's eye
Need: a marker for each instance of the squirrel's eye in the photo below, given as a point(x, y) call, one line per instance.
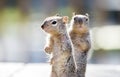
point(86, 19)
point(54, 22)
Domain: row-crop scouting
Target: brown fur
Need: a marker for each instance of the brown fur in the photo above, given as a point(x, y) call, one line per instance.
point(59, 45)
point(79, 34)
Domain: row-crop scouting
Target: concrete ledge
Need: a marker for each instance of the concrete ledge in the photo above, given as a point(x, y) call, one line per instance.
point(43, 70)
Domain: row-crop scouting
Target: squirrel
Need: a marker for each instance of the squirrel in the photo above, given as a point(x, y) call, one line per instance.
point(80, 37)
point(59, 45)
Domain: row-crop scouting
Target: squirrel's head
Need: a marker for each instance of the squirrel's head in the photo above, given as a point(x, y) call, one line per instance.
point(79, 22)
point(55, 24)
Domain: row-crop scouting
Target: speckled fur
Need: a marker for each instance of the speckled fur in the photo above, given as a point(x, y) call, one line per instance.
point(79, 34)
point(59, 45)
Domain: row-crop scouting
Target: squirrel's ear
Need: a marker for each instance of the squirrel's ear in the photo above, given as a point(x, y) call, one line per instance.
point(65, 19)
point(74, 13)
point(87, 14)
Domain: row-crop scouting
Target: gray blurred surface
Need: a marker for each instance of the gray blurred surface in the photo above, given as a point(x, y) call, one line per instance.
point(43, 70)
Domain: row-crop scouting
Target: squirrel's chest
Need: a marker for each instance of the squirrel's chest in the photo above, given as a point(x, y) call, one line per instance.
point(61, 49)
point(61, 44)
point(57, 46)
point(81, 43)
point(78, 39)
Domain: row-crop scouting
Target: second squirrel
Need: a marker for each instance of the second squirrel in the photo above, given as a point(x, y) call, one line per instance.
point(80, 37)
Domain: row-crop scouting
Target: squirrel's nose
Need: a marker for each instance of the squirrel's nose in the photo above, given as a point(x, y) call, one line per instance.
point(42, 26)
point(78, 19)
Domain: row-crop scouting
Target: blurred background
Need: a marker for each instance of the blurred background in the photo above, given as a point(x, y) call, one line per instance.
point(22, 40)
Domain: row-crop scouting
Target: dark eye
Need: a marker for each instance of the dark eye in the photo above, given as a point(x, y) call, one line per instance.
point(54, 22)
point(75, 18)
point(86, 19)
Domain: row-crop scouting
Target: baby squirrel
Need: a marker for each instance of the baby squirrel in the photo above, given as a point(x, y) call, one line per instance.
point(79, 34)
point(59, 45)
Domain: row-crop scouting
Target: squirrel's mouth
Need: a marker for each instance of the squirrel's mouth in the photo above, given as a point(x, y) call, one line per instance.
point(78, 25)
point(44, 27)
point(47, 29)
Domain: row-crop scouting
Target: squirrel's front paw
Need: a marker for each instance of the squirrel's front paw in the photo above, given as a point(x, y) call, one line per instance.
point(48, 50)
point(52, 61)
